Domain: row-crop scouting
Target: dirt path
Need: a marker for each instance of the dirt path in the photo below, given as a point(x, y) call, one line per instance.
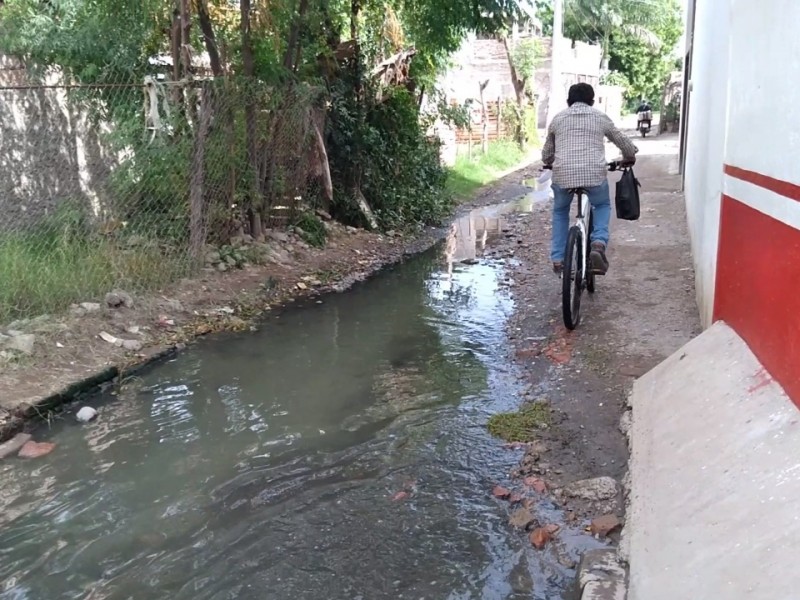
point(643, 311)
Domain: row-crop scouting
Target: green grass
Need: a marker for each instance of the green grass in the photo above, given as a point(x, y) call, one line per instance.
point(520, 426)
point(467, 176)
point(44, 273)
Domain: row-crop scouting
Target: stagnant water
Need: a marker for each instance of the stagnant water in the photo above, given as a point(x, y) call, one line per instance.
point(339, 452)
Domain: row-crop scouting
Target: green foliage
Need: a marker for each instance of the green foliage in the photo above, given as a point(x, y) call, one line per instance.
point(615, 78)
point(525, 56)
point(647, 69)
point(544, 12)
point(520, 426)
point(456, 116)
point(258, 132)
point(383, 149)
point(46, 269)
point(672, 110)
point(638, 39)
point(406, 181)
point(469, 174)
point(600, 20)
point(97, 41)
point(521, 124)
point(313, 228)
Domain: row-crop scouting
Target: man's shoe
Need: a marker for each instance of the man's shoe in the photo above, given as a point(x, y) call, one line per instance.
point(598, 263)
point(558, 268)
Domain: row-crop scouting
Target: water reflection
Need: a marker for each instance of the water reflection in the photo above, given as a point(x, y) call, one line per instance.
point(468, 236)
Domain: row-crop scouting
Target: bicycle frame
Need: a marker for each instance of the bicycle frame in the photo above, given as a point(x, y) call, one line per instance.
point(582, 223)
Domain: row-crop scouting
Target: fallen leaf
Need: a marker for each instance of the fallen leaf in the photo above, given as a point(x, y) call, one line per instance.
point(402, 495)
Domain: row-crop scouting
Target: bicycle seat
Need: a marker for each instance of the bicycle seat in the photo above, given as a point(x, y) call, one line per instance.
point(576, 191)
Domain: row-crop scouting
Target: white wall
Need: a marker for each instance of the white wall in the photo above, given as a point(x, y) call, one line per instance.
point(764, 135)
point(50, 150)
point(706, 135)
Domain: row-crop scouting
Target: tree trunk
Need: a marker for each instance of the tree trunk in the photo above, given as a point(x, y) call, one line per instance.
point(197, 216)
point(209, 38)
point(499, 116)
point(248, 66)
point(484, 120)
point(519, 92)
point(291, 57)
point(175, 51)
point(186, 61)
point(186, 26)
point(355, 8)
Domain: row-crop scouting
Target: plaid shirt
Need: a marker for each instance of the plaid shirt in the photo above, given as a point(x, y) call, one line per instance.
point(575, 146)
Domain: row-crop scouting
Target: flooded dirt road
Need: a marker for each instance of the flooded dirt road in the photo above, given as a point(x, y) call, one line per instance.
point(340, 451)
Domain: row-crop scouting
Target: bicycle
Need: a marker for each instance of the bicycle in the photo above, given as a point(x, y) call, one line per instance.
point(575, 276)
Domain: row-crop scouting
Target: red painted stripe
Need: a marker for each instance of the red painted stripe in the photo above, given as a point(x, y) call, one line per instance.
point(758, 288)
point(784, 188)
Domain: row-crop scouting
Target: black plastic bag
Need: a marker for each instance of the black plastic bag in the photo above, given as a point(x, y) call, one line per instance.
point(627, 198)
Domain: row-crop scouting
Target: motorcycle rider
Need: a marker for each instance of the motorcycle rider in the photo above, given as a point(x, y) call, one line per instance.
point(643, 113)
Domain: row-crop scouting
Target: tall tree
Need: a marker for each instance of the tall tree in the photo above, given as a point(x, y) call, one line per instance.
point(600, 20)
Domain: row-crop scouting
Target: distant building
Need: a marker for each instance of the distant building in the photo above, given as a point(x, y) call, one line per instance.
point(479, 60)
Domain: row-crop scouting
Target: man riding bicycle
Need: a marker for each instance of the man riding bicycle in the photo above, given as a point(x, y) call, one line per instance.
point(575, 151)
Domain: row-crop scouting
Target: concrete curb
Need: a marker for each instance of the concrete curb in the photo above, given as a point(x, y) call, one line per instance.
point(601, 576)
point(713, 503)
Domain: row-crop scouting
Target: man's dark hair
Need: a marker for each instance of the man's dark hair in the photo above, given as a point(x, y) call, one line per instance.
point(581, 92)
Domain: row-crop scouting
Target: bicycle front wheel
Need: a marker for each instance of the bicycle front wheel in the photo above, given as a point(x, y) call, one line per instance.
point(572, 279)
point(589, 274)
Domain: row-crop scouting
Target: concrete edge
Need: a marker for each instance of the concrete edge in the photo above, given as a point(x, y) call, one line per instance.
point(601, 576)
point(711, 487)
point(48, 404)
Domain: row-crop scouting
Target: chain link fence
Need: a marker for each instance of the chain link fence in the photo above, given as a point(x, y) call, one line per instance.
point(137, 184)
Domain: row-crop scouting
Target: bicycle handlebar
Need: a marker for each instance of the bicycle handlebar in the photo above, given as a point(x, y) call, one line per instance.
point(612, 166)
point(615, 165)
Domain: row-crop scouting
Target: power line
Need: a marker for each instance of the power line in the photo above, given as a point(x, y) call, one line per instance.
point(571, 6)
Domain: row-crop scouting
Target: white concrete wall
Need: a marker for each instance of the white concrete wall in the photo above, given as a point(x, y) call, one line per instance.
point(50, 150)
point(609, 100)
point(764, 133)
point(707, 127)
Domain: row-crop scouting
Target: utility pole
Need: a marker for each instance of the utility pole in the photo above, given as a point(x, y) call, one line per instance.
point(557, 100)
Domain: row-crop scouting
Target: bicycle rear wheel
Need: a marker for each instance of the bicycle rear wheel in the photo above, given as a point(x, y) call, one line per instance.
point(589, 274)
point(572, 279)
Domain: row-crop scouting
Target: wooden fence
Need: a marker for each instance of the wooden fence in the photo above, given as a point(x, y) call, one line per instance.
point(495, 126)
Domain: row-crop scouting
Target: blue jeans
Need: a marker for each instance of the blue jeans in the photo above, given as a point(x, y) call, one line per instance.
point(599, 198)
